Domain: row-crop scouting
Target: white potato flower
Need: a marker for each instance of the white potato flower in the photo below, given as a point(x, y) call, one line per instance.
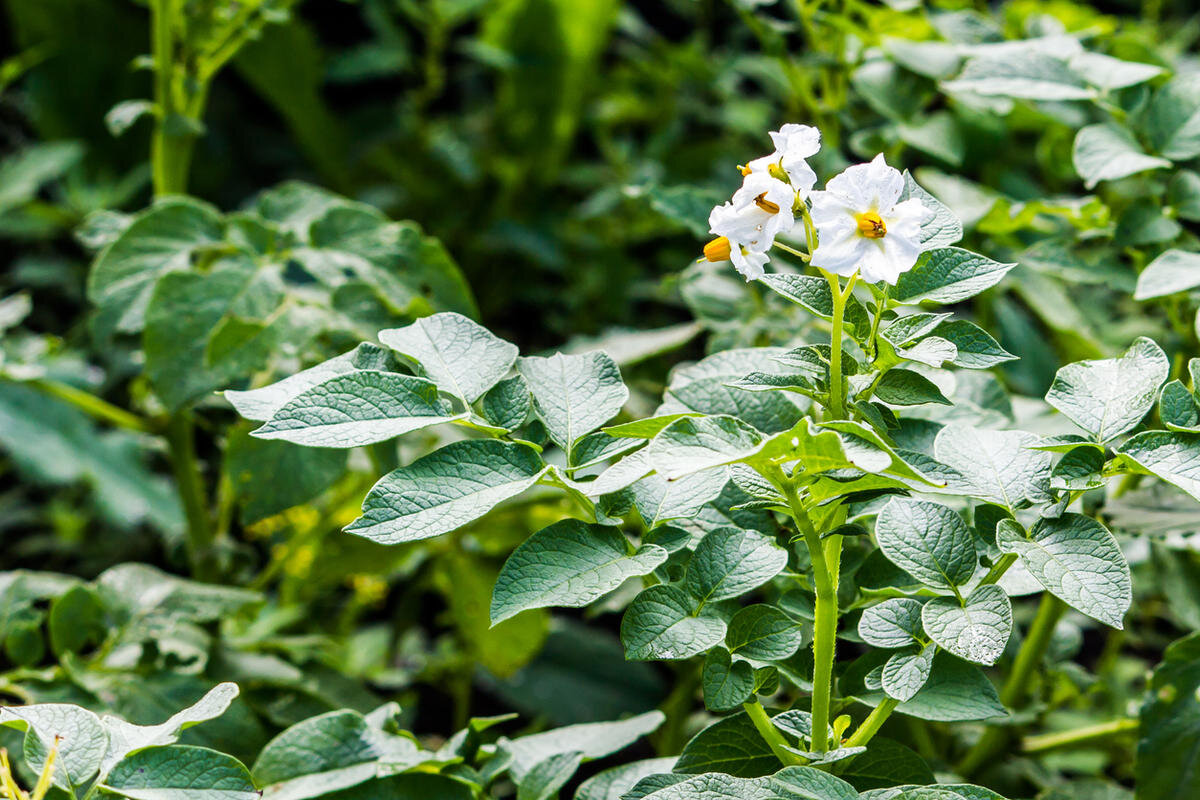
point(746, 226)
point(861, 225)
point(793, 144)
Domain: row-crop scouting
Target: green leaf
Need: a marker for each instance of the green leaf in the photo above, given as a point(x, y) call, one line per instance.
point(1174, 457)
point(272, 476)
point(161, 239)
point(903, 387)
point(1171, 272)
point(929, 541)
point(1108, 397)
point(956, 691)
point(1177, 408)
point(1080, 469)
point(889, 763)
point(574, 395)
point(181, 772)
point(612, 783)
point(905, 673)
point(763, 633)
point(83, 740)
point(729, 562)
point(1022, 74)
point(977, 628)
point(125, 737)
point(658, 500)
point(358, 409)
point(544, 779)
point(445, 490)
point(1105, 152)
point(996, 466)
point(592, 739)
point(816, 295)
point(459, 355)
point(892, 624)
point(569, 564)
point(727, 683)
point(942, 227)
point(704, 387)
point(948, 275)
point(1168, 763)
point(731, 745)
point(974, 347)
point(1077, 560)
point(1111, 73)
point(260, 404)
point(508, 403)
point(1172, 120)
point(808, 783)
point(662, 623)
point(714, 786)
point(692, 444)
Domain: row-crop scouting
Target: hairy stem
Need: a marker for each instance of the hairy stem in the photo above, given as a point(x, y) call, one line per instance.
point(770, 734)
point(825, 629)
point(837, 388)
point(1016, 688)
point(1079, 737)
point(874, 721)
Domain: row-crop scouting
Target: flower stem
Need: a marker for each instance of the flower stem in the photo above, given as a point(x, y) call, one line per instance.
point(770, 734)
point(1016, 688)
point(837, 388)
point(1079, 737)
point(874, 721)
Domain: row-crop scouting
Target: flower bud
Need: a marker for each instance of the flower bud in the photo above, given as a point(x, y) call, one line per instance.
point(717, 250)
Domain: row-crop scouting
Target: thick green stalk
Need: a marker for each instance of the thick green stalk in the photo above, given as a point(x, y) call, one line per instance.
point(1079, 737)
point(874, 721)
point(770, 734)
point(825, 627)
point(1016, 688)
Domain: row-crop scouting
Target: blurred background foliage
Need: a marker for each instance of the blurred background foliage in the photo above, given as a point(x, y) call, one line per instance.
point(565, 154)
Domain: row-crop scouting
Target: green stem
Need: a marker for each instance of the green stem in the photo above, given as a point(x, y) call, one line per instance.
point(93, 405)
point(181, 439)
point(837, 388)
point(770, 734)
point(825, 627)
point(999, 568)
point(1080, 737)
point(165, 153)
point(1016, 688)
point(879, 309)
point(874, 721)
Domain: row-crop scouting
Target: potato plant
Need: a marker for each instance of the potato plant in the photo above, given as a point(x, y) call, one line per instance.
point(890, 494)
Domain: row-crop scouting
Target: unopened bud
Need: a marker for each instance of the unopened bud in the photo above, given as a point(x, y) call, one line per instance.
point(717, 250)
point(777, 172)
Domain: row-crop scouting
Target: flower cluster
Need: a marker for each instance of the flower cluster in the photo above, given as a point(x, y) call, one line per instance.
point(860, 223)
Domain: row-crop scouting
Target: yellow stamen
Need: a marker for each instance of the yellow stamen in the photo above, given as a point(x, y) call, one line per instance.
point(870, 225)
point(766, 205)
point(742, 168)
point(717, 250)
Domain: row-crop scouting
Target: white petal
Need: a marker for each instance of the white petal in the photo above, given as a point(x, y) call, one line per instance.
point(840, 256)
point(831, 209)
point(801, 175)
point(876, 265)
point(905, 219)
point(749, 264)
point(902, 251)
point(868, 186)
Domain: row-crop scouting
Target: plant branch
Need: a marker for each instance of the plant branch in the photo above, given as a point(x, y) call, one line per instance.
point(1079, 737)
point(874, 721)
point(181, 437)
point(770, 734)
point(93, 405)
